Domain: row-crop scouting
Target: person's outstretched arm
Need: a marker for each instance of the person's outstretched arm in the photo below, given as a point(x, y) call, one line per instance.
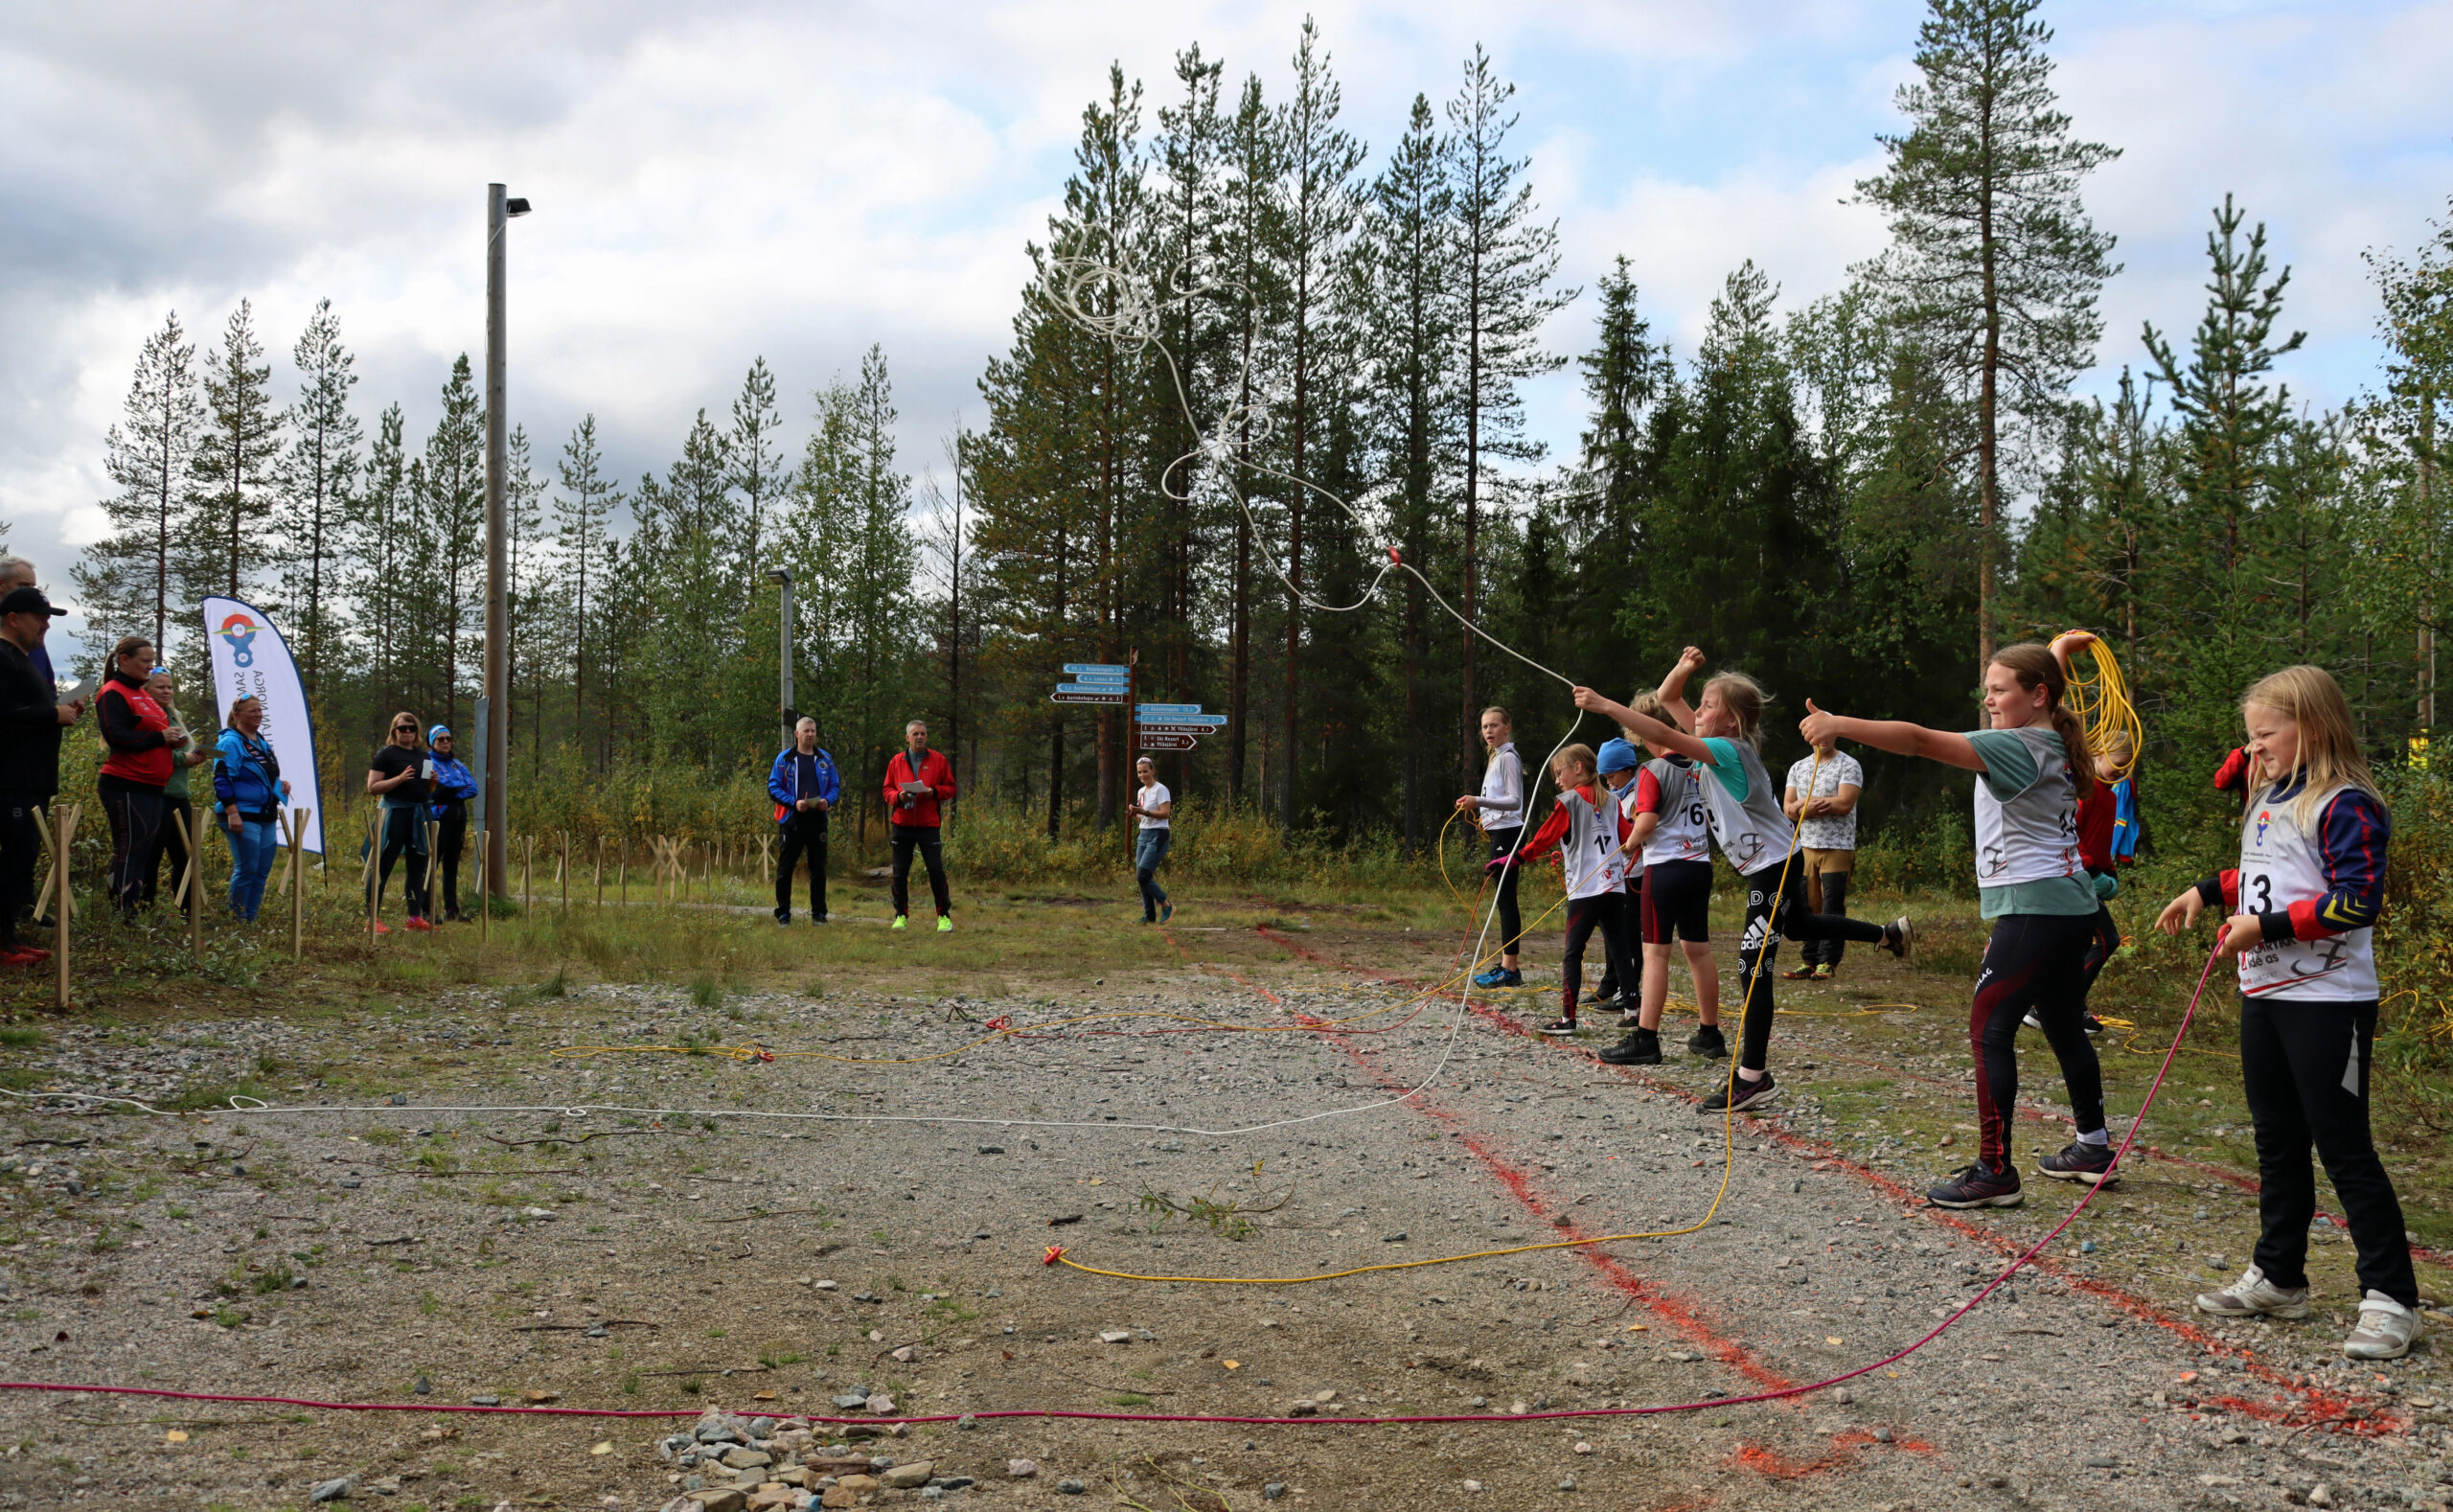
point(1670, 736)
point(1898, 737)
point(1672, 692)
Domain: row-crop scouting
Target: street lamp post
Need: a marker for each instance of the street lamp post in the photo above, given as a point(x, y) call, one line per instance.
point(497, 741)
point(783, 576)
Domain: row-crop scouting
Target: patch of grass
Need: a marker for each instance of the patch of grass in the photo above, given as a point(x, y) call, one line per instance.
point(1127, 1398)
point(19, 1037)
point(775, 1359)
point(707, 990)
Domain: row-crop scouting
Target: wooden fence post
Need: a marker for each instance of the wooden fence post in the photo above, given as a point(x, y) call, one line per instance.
point(566, 871)
point(600, 871)
point(298, 883)
point(61, 832)
point(373, 859)
point(527, 873)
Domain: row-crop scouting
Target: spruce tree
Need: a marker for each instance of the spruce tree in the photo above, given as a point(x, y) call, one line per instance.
point(1249, 234)
point(129, 580)
point(234, 461)
point(1505, 260)
point(450, 543)
point(758, 473)
point(316, 475)
point(1994, 264)
point(2406, 567)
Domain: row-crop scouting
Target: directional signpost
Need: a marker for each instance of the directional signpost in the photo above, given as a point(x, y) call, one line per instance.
point(1156, 726)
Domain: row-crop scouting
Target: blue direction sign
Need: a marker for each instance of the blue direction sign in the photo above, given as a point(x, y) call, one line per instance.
point(1167, 728)
point(1092, 668)
point(1069, 696)
point(1205, 722)
point(1160, 710)
point(1108, 689)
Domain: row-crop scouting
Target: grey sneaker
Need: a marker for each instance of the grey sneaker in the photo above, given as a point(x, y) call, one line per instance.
point(1895, 937)
point(2385, 1331)
point(2253, 1296)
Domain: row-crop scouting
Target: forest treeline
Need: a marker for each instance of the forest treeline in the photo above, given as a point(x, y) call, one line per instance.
point(1852, 497)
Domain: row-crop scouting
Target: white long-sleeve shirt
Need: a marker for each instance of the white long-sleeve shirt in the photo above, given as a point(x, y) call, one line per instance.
point(1503, 798)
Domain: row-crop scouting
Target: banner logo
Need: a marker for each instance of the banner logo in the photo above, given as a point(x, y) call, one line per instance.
point(2265, 816)
point(240, 632)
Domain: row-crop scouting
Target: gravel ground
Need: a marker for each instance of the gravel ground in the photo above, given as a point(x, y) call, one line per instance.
point(421, 1254)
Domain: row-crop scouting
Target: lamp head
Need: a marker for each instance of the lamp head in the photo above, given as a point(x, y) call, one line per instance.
point(514, 207)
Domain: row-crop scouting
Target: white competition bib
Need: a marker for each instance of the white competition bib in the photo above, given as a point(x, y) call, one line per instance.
point(2279, 867)
point(1683, 833)
point(2033, 836)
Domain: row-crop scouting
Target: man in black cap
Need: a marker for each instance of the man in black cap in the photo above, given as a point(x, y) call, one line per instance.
point(30, 718)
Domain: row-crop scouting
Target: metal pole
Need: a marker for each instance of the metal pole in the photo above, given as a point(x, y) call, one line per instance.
point(497, 548)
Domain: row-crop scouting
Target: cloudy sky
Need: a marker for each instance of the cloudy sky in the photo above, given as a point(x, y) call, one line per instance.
point(723, 180)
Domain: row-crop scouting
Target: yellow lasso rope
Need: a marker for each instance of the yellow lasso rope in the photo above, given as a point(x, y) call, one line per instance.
point(1056, 1254)
point(2100, 701)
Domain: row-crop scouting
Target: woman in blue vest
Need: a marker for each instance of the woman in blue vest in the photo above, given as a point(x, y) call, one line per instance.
point(804, 786)
point(248, 792)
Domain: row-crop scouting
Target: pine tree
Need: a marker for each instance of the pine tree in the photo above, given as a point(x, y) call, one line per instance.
point(451, 508)
point(1994, 262)
point(527, 645)
point(1249, 236)
point(758, 473)
point(1321, 202)
point(583, 510)
point(1505, 264)
point(1406, 299)
point(234, 461)
point(2406, 568)
point(381, 527)
point(2229, 417)
point(315, 477)
point(128, 582)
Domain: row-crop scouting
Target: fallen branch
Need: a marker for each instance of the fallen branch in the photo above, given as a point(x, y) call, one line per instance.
point(596, 1322)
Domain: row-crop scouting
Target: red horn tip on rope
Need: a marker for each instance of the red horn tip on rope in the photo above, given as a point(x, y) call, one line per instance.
point(1055, 1253)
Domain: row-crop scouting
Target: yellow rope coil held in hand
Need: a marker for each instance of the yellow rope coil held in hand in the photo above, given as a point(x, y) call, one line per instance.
point(2100, 697)
point(1056, 1254)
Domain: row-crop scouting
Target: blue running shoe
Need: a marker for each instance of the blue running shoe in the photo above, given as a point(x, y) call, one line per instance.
point(1498, 976)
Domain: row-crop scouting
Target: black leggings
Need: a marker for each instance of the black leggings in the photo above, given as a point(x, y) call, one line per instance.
point(135, 813)
point(404, 834)
point(2099, 948)
point(1511, 923)
point(1831, 891)
point(452, 835)
point(1609, 913)
point(2304, 1067)
point(2034, 962)
point(1775, 910)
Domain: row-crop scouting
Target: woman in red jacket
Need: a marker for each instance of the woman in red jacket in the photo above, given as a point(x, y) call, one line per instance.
point(918, 779)
point(137, 734)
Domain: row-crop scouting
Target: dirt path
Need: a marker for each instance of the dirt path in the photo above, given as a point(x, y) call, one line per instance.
point(641, 1263)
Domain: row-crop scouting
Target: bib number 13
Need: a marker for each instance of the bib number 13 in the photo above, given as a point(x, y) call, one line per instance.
point(2262, 889)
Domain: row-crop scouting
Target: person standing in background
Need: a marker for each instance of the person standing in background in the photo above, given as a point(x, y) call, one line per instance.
point(398, 778)
point(178, 816)
point(455, 787)
point(806, 787)
point(16, 572)
point(248, 792)
point(31, 720)
point(138, 736)
point(1153, 805)
point(1500, 809)
point(917, 781)
point(1822, 799)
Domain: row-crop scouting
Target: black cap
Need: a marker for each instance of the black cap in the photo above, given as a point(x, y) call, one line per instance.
point(27, 601)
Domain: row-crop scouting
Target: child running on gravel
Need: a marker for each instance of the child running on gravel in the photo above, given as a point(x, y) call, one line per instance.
point(1584, 826)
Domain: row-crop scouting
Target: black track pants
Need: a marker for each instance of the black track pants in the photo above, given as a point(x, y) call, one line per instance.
point(2304, 1067)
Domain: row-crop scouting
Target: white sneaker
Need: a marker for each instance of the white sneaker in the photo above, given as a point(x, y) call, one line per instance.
point(2253, 1296)
point(2385, 1331)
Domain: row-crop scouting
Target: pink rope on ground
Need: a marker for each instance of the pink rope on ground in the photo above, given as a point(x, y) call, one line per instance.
point(2030, 1252)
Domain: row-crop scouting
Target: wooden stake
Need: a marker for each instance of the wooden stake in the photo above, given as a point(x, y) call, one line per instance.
point(565, 870)
point(433, 864)
point(374, 860)
point(485, 898)
point(625, 871)
point(65, 827)
point(527, 873)
point(298, 883)
point(600, 871)
point(196, 820)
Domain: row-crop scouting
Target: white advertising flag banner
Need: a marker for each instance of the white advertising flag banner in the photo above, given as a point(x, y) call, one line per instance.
point(250, 660)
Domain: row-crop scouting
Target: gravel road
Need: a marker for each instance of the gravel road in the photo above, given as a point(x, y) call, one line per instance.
point(415, 1253)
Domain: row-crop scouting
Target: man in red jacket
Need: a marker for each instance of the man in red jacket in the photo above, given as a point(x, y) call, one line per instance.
point(917, 780)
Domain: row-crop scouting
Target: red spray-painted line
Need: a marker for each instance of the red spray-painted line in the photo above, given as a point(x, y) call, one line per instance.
point(2355, 1413)
point(1843, 1455)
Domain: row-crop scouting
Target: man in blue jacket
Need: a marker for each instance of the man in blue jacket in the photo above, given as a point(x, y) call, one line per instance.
point(804, 785)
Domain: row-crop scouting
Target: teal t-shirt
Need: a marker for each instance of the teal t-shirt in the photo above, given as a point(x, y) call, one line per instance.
point(1727, 766)
point(2009, 770)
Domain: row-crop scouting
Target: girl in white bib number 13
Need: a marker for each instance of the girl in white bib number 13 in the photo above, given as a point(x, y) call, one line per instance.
point(2301, 907)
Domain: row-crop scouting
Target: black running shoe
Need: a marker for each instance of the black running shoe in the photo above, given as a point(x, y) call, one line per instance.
point(782, 916)
point(1607, 1002)
point(2091, 1023)
point(1895, 937)
point(1641, 1047)
point(1739, 1095)
point(1707, 1041)
point(1559, 1028)
point(1979, 1187)
point(2080, 1161)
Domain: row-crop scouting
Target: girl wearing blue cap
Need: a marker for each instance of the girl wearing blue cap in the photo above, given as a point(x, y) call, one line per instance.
point(455, 786)
point(1585, 828)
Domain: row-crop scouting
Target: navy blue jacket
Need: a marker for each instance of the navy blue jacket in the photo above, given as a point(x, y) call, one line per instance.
point(453, 783)
point(784, 782)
